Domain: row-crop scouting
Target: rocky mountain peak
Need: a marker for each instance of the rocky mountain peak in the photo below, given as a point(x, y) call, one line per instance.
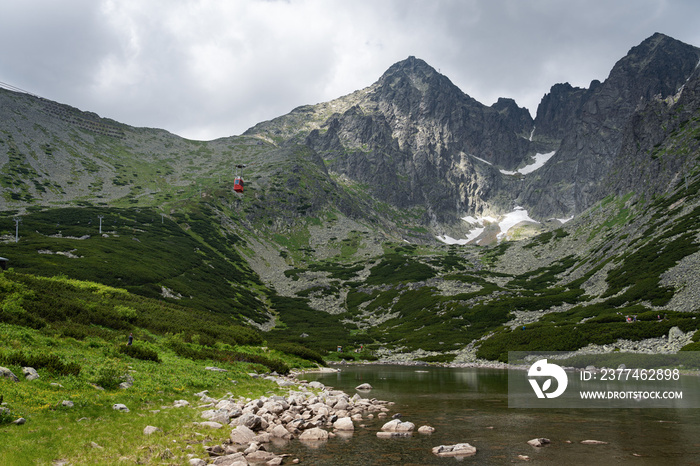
point(411, 66)
point(656, 67)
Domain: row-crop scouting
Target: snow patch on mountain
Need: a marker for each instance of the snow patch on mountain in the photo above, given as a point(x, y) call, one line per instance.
point(540, 160)
point(505, 223)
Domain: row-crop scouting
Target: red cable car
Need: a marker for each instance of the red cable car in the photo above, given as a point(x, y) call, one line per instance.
point(238, 184)
point(238, 181)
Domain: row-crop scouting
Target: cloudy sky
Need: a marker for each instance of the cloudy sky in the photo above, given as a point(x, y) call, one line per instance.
point(205, 69)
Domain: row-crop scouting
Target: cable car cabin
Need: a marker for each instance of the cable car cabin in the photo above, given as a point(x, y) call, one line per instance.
point(238, 184)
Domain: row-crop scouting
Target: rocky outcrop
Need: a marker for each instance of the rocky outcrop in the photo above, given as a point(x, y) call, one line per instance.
point(594, 122)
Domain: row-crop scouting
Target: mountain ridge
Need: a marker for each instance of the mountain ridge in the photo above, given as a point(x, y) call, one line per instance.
point(340, 232)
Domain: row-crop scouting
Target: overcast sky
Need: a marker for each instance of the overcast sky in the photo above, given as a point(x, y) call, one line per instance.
point(205, 69)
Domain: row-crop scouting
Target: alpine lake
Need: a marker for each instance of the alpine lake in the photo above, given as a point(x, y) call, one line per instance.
point(470, 405)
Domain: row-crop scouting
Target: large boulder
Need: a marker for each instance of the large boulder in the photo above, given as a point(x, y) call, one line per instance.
point(675, 333)
point(7, 373)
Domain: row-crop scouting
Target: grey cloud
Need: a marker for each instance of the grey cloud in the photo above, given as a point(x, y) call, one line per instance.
point(206, 69)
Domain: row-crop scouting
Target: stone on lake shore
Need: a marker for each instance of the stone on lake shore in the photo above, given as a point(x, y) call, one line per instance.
point(241, 435)
point(593, 442)
point(279, 431)
point(538, 442)
point(460, 449)
point(364, 386)
point(315, 433)
point(396, 425)
point(230, 460)
point(344, 423)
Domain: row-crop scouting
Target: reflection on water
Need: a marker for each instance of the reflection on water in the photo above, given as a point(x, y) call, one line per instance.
point(471, 405)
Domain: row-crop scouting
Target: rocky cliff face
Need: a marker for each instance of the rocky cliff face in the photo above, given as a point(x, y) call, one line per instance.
point(591, 123)
point(414, 140)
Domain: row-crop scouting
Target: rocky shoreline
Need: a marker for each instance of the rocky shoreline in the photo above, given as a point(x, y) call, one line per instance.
point(311, 413)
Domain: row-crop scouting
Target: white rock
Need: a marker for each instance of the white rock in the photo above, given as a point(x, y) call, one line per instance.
point(315, 433)
point(344, 423)
point(458, 450)
point(148, 430)
point(241, 435)
point(395, 425)
point(538, 442)
point(280, 432)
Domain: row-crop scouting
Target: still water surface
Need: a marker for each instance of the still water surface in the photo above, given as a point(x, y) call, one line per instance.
point(471, 405)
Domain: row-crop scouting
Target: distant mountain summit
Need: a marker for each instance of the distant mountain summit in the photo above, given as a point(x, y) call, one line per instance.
point(586, 126)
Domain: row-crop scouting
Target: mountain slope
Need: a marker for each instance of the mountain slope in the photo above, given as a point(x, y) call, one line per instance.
point(333, 241)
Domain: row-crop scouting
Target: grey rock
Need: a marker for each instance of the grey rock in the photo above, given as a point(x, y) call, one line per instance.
point(7, 373)
point(120, 407)
point(241, 435)
point(538, 442)
point(458, 450)
point(30, 373)
point(314, 433)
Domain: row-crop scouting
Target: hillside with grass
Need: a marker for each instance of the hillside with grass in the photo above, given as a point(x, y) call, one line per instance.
point(339, 237)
